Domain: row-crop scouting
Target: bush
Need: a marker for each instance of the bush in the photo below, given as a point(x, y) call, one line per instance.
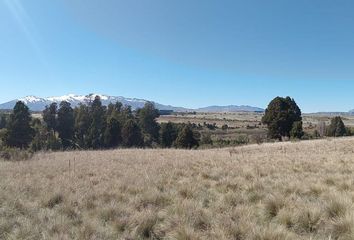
point(336, 128)
point(210, 126)
point(224, 127)
point(242, 139)
point(15, 154)
point(258, 138)
point(206, 139)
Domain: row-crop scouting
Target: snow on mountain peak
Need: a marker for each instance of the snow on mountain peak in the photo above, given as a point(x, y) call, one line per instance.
point(38, 104)
point(31, 99)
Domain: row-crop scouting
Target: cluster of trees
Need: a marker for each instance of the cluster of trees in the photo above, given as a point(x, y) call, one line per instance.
point(283, 119)
point(93, 126)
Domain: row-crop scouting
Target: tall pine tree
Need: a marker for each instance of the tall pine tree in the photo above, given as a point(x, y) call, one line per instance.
point(97, 126)
point(19, 131)
point(131, 134)
point(186, 139)
point(66, 124)
point(82, 124)
point(147, 121)
point(50, 116)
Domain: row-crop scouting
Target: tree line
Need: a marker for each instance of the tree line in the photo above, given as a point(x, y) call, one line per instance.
point(93, 126)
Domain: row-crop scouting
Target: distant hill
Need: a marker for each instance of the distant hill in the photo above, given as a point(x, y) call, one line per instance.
point(38, 103)
point(230, 108)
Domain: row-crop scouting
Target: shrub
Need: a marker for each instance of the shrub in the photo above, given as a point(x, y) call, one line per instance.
point(15, 154)
point(224, 127)
point(336, 128)
point(206, 139)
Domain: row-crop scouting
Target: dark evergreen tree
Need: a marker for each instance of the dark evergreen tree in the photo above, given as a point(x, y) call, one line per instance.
point(336, 128)
point(3, 121)
point(19, 131)
point(50, 116)
point(97, 126)
point(125, 114)
point(186, 139)
point(147, 121)
point(297, 131)
point(38, 142)
point(113, 133)
point(131, 134)
point(66, 122)
point(280, 117)
point(169, 133)
point(82, 124)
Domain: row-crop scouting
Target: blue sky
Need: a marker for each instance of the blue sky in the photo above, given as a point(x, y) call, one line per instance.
point(183, 53)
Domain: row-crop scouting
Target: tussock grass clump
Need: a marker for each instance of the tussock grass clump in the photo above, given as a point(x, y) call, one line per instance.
point(276, 191)
point(54, 200)
point(184, 233)
point(308, 219)
point(343, 228)
point(146, 223)
point(336, 207)
point(273, 205)
point(273, 232)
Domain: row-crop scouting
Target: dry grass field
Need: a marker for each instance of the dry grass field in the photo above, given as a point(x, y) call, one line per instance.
point(301, 190)
point(236, 120)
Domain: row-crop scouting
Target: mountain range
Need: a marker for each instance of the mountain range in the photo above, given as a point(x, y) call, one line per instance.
point(38, 104)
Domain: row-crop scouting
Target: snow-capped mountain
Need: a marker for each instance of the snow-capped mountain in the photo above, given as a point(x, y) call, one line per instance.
point(38, 104)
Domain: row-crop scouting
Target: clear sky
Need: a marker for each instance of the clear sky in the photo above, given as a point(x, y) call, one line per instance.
point(181, 52)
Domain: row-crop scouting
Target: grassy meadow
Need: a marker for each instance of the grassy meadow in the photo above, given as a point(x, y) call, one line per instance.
point(274, 191)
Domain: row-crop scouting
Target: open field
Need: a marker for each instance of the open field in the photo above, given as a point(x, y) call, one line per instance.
point(248, 123)
point(302, 190)
point(244, 119)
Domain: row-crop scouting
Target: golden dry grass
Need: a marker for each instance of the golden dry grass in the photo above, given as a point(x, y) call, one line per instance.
point(301, 190)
